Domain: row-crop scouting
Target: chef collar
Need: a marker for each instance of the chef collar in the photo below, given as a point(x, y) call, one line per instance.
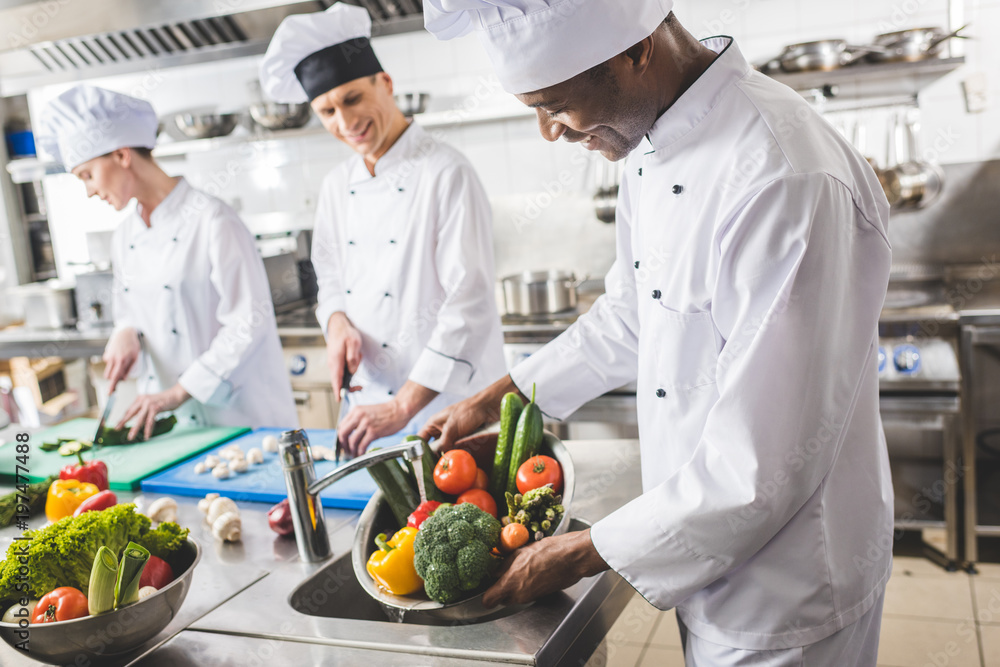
point(401, 158)
point(171, 208)
point(697, 101)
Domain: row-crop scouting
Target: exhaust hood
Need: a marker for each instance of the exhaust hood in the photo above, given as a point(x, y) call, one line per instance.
point(53, 41)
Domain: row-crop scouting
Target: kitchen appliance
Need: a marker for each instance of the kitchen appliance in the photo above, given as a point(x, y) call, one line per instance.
point(48, 305)
point(822, 55)
point(282, 271)
point(920, 403)
point(533, 293)
point(412, 103)
point(94, 299)
point(276, 116)
point(912, 44)
point(376, 518)
point(206, 125)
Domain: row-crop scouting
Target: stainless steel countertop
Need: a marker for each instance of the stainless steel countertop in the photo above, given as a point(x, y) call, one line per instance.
point(239, 607)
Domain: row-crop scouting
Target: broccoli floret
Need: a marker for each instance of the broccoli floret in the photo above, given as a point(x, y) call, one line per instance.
point(452, 551)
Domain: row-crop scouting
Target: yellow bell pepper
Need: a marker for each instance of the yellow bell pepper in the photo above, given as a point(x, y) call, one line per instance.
point(65, 495)
point(392, 565)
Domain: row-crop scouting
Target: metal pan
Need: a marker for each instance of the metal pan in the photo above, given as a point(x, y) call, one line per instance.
point(539, 292)
point(822, 55)
point(912, 45)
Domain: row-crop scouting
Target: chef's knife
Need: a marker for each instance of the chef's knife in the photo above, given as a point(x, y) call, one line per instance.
point(345, 392)
point(104, 418)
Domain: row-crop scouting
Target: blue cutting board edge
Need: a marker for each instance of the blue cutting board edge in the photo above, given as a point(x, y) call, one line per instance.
point(266, 482)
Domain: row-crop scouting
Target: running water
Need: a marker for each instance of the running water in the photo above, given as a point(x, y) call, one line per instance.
point(418, 471)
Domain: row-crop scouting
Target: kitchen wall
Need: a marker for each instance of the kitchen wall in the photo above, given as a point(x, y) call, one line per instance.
point(541, 192)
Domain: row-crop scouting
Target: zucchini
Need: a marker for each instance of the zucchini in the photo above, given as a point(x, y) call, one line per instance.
point(427, 463)
point(395, 485)
point(114, 436)
point(510, 410)
point(527, 440)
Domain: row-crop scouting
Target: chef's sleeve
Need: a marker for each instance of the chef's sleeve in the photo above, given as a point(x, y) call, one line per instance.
point(245, 311)
point(122, 305)
point(598, 352)
point(326, 259)
point(801, 280)
point(463, 260)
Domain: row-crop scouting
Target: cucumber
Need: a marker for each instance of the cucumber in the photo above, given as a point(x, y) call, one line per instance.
point(394, 483)
point(428, 461)
point(510, 410)
point(527, 440)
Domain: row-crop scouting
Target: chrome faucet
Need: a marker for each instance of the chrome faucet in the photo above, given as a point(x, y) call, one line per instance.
point(303, 487)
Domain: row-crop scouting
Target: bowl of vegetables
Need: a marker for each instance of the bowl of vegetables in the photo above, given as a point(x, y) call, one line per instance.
point(382, 517)
point(107, 584)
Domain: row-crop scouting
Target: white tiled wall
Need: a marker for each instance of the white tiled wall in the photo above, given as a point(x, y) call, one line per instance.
point(521, 172)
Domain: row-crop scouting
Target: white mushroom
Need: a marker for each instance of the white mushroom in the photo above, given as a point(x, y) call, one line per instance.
point(221, 506)
point(162, 509)
point(227, 527)
point(220, 471)
point(239, 465)
point(206, 502)
point(233, 455)
point(331, 455)
point(255, 456)
point(201, 468)
point(269, 443)
point(319, 453)
point(146, 591)
point(211, 460)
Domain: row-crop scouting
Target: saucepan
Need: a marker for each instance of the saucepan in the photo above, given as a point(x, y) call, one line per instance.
point(822, 55)
point(539, 292)
point(913, 44)
point(911, 183)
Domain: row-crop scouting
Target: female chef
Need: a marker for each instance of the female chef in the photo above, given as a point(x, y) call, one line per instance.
point(403, 245)
point(194, 321)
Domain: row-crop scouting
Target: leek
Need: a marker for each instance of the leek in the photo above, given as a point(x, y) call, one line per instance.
point(103, 577)
point(129, 572)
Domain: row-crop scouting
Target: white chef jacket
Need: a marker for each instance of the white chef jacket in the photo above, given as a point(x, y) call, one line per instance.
point(752, 262)
point(407, 255)
point(193, 284)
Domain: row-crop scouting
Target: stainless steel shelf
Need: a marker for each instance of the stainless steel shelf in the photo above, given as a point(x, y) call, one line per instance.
point(871, 81)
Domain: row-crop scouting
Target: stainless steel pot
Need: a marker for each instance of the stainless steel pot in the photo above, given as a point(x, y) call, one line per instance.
point(207, 125)
point(911, 45)
point(911, 182)
point(822, 55)
point(539, 292)
point(49, 305)
point(275, 116)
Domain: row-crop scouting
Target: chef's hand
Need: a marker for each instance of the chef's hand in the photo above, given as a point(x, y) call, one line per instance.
point(465, 417)
point(146, 407)
point(366, 423)
point(120, 354)
point(545, 567)
point(343, 345)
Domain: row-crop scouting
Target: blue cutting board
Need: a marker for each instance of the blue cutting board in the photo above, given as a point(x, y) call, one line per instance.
point(266, 482)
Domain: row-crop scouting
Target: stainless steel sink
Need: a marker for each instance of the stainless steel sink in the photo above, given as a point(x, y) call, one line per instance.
point(334, 592)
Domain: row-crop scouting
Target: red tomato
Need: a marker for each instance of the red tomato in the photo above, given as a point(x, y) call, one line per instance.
point(157, 573)
point(455, 472)
point(60, 604)
point(482, 481)
point(481, 499)
point(539, 471)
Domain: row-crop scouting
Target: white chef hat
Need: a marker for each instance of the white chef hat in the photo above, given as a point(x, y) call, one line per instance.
point(535, 44)
point(86, 122)
point(311, 54)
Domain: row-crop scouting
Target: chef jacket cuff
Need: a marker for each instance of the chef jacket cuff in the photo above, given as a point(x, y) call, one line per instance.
point(205, 386)
point(326, 308)
point(442, 373)
point(559, 390)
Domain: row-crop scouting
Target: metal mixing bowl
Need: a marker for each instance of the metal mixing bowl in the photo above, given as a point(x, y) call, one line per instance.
point(377, 518)
point(275, 116)
point(206, 125)
point(412, 103)
point(91, 639)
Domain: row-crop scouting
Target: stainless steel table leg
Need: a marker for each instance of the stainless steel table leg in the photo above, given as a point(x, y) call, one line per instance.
point(971, 514)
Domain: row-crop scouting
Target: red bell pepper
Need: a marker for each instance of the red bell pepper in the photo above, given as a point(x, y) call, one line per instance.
point(420, 514)
point(92, 472)
point(97, 502)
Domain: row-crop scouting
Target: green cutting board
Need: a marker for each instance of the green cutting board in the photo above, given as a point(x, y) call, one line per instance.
point(127, 464)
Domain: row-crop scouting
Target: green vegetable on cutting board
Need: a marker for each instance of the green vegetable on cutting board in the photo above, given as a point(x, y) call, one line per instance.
point(119, 436)
point(527, 440)
point(510, 410)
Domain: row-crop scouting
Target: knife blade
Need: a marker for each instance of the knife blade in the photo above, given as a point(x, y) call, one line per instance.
point(345, 392)
point(104, 417)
